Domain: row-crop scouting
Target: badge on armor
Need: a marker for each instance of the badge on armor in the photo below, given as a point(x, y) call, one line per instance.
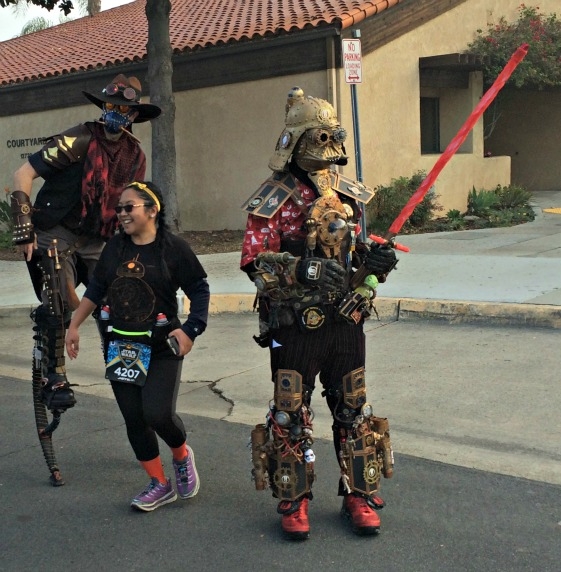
point(313, 318)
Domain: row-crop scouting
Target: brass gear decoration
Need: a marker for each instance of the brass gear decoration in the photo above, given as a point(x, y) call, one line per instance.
point(371, 472)
point(285, 479)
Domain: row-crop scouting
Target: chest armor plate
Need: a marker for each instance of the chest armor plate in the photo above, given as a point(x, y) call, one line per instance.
point(327, 224)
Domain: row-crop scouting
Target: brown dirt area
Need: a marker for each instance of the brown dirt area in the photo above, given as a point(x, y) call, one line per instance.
point(214, 241)
point(202, 242)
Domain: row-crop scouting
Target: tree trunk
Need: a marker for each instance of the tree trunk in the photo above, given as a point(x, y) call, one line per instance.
point(93, 7)
point(160, 72)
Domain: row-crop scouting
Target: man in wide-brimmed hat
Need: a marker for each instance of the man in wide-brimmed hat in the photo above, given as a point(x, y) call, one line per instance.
point(63, 233)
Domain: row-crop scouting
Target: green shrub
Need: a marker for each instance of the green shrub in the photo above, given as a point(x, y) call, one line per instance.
point(389, 200)
point(512, 196)
point(480, 203)
point(6, 224)
point(454, 214)
point(502, 206)
point(541, 68)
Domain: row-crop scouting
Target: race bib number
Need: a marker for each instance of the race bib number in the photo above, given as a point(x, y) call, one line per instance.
point(127, 362)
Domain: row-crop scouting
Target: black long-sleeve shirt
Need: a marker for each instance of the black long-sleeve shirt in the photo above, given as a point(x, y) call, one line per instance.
point(185, 272)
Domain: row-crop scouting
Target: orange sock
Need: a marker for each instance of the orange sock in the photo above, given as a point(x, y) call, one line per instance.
point(154, 468)
point(179, 453)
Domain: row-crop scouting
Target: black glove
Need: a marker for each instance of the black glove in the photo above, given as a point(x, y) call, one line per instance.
point(321, 272)
point(380, 260)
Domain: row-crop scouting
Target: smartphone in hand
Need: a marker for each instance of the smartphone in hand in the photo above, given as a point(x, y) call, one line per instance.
point(173, 344)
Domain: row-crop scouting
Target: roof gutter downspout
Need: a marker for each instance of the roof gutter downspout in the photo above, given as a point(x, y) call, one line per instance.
point(332, 75)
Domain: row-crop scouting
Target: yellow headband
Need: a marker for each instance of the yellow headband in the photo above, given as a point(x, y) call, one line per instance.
point(145, 188)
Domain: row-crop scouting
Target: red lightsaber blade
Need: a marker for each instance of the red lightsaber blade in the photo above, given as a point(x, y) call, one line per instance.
point(453, 146)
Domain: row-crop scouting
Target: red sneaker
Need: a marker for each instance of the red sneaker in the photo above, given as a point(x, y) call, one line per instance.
point(362, 516)
point(294, 523)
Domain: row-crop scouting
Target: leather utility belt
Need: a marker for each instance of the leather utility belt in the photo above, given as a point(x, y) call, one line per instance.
point(311, 311)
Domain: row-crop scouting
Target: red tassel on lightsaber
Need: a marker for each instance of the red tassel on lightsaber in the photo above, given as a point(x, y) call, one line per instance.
point(453, 146)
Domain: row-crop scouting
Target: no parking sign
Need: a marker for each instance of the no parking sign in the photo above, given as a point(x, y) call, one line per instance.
point(352, 61)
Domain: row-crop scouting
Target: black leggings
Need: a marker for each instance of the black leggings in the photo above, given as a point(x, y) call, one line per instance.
point(149, 411)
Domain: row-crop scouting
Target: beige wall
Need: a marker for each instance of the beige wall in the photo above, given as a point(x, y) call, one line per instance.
point(238, 125)
point(389, 108)
point(224, 138)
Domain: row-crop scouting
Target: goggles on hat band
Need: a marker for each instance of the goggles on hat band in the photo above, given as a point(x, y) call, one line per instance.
point(127, 92)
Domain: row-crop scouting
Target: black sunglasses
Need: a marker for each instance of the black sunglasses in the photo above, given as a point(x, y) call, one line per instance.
point(128, 208)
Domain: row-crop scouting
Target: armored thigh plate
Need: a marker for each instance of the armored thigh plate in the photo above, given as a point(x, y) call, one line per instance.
point(354, 388)
point(291, 478)
point(288, 390)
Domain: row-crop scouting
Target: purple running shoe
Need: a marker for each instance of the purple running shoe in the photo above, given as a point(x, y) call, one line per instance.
point(154, 495)
point(186, 476)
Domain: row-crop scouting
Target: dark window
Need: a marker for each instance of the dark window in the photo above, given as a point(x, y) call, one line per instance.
point(430, 125)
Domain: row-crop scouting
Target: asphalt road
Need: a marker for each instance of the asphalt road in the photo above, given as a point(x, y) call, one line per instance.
point(438, 517)
point(460, 398)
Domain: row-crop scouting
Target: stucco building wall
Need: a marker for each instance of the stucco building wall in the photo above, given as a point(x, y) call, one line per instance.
point(225, 134)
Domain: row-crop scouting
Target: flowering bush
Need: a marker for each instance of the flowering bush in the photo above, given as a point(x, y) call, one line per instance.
point(541, 68)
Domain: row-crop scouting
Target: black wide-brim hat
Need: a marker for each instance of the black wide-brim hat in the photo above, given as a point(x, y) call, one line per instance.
point(125, 91)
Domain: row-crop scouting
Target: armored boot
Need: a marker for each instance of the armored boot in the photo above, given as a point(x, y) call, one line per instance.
point(359, 511)
point(294, 523)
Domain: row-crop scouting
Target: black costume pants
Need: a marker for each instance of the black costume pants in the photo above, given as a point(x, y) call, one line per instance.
point(332, 351)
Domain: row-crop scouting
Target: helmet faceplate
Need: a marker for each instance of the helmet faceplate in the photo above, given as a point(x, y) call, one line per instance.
point(312, 134)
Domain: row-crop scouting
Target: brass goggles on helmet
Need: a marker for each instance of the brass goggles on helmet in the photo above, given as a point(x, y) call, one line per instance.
point(322, 137)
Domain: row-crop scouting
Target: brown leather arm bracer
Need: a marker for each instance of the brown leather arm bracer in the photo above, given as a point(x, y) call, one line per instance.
point(21, 217)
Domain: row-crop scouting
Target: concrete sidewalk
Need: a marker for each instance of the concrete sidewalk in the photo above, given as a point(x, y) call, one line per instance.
point(501, 276)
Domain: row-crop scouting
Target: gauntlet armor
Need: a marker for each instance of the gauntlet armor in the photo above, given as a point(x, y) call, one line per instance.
point(21, 217)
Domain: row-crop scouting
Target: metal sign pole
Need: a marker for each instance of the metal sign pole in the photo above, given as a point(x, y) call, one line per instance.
point(358, 157)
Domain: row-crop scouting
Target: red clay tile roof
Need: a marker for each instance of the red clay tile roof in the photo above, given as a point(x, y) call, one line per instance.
point(119, 35)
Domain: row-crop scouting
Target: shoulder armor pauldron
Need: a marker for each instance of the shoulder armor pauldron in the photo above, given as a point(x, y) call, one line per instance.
point(271, 195)
point(353, 189)
point(68, 147)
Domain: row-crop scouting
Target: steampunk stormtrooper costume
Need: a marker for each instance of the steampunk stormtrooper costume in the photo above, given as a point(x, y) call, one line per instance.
point(315, 285)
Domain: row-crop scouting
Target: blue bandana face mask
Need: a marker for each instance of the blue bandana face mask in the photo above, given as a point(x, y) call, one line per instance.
point(115, 121)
